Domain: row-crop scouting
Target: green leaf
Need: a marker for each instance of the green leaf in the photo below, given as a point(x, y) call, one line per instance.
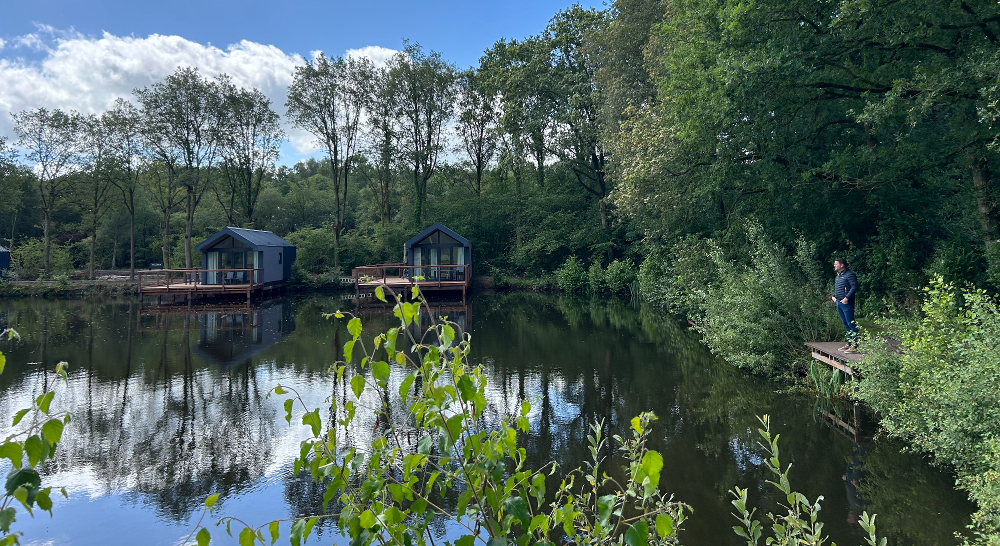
point(7, 517)
point(354, 327)
point(637, 534)
point(467, 388)
point(358, 385)
point(44, 400)
point(52, 431)
point(3, 362)
point(12, 451)
point(664, 525)
point(497, 541)
point(35, 449)
point(637, 424)
point(295, 536)
point(380, 370)
point(404, 387)
point(349, 351)
point(604, 505)
point(211, 500)
point(650, 467)
point(288, 410)
point(536, 522)
point(18, 416)
point(247, 538)
point(309, 525)
point(273, 529)
point(519, 509)
point(380, 293)
point(424, 445)
point(367, 519)
point(203, 537)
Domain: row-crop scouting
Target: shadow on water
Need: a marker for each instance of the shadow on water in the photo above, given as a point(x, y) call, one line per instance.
point(170, 406)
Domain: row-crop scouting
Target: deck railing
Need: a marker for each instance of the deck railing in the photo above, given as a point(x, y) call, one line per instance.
point(420, 274)
point(192, 280)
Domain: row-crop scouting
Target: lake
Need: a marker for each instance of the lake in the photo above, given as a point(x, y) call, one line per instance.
point(170, 406)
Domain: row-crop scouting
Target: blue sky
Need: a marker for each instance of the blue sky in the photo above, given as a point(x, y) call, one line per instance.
point(81, 56)
point(460, 30)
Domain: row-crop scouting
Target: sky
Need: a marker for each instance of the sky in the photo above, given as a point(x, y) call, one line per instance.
point(82, 55)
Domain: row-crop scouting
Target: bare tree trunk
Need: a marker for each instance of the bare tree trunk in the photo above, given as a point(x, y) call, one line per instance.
point(166, 240)
point(13, 225)
point(187, 229)
point(986, 204)
point(131, 235)
point(48, 242)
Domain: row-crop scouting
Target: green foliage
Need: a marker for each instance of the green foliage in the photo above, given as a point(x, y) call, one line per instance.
point(652, 278)
point(757, 314)
point(27, 259)
point(571, 277)
point(314, 249)
point(621, 275)
point(36, 432)
point(597, 278)
point(800, 523)
point(939, 392)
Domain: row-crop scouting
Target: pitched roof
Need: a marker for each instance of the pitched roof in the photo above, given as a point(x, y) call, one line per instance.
point(434, 227)
point(2, 249)
point(251, 237)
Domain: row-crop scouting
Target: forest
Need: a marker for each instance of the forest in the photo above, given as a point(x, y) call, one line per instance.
point(710, 156)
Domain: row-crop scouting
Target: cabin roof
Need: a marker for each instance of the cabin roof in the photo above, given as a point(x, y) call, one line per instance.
point(2, 249)
point(435, 227)
point(251, 237)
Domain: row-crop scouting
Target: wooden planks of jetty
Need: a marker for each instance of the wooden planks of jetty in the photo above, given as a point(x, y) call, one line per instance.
point(827, 352)
point(401, 277)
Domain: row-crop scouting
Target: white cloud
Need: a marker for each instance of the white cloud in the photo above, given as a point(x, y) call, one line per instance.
point(378, 55)
point(87, 74)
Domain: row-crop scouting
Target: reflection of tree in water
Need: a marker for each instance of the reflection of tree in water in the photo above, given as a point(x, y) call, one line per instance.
point(169, 442)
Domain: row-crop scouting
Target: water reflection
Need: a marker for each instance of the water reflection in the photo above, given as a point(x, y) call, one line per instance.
point(170, 406)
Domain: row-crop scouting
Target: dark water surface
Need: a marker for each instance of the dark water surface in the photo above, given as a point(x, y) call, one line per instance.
point(171, 407)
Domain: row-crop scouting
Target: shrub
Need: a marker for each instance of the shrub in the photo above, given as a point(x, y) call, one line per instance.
point(597, 278)
point(653, 280)
point(314, 249)
point(621, 274)
point(571, 276)
point(27, 259)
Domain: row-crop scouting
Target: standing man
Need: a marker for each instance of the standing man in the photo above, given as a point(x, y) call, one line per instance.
point(843, 296)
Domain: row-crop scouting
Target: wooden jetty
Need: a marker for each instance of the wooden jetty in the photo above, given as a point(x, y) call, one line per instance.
point(401, 278)
point(826, 352)
point(188, 285)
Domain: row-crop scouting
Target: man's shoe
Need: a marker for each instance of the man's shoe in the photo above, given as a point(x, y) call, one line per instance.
point(844, 348)
point(851, 351)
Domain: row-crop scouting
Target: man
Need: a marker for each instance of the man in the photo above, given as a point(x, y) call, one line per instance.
point(843, 296)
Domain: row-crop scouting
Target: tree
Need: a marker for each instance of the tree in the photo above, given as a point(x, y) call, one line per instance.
point(250, 142)
point(51, 138)
point(381, 136)
point(9, 184)
point(123, 123)
point(327, 98)
point(99, 165)
point(477, 122)
point(182, 119)
point(424, 86)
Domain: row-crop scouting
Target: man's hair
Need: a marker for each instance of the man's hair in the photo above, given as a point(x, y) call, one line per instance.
point(841, 260)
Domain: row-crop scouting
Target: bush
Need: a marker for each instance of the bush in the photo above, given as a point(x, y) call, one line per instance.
point(571, 276)
point(653, 280)
point(27, 259)
point(620, 276)
point(758, 315)
point(597, 278)
point(314, 250)
point(942, 391)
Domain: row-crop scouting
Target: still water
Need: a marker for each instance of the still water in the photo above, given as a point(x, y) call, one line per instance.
point(170, 406)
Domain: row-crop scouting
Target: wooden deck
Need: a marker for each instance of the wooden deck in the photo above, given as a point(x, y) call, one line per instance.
point(826, 351)
point(189, 284)
point(401, 277)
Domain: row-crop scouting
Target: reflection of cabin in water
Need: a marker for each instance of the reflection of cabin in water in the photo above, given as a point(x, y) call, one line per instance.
point(229, 338)
point(234, 262)
point(436, 259)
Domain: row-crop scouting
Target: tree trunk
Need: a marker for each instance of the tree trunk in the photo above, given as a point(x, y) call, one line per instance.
point(188, 228)
point(986, 203)
point(166, 240)
point(93, 244)
point(47, 243)
point(418, 204)
point(13, 226)
point(131, 235)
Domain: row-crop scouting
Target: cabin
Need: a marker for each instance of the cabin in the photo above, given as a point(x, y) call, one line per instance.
point(234, 262)
point(4, 262)
point(261, 255)
point(437, 259)
point(438, 246)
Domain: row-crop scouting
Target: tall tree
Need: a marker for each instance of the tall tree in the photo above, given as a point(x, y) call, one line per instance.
point(381, 137)
point(51, 138)
point(250, 142)
point(99, 167)
point(327, 98)
point(182, 116)
point(124, 126)
point(10, 189)
point(477, 122)
point(424, 85)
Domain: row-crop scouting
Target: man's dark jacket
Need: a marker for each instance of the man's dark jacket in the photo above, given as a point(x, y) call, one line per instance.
point(847, 286)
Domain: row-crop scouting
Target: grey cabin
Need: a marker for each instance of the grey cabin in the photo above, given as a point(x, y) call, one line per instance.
point(265, 258)
point(447, 252)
